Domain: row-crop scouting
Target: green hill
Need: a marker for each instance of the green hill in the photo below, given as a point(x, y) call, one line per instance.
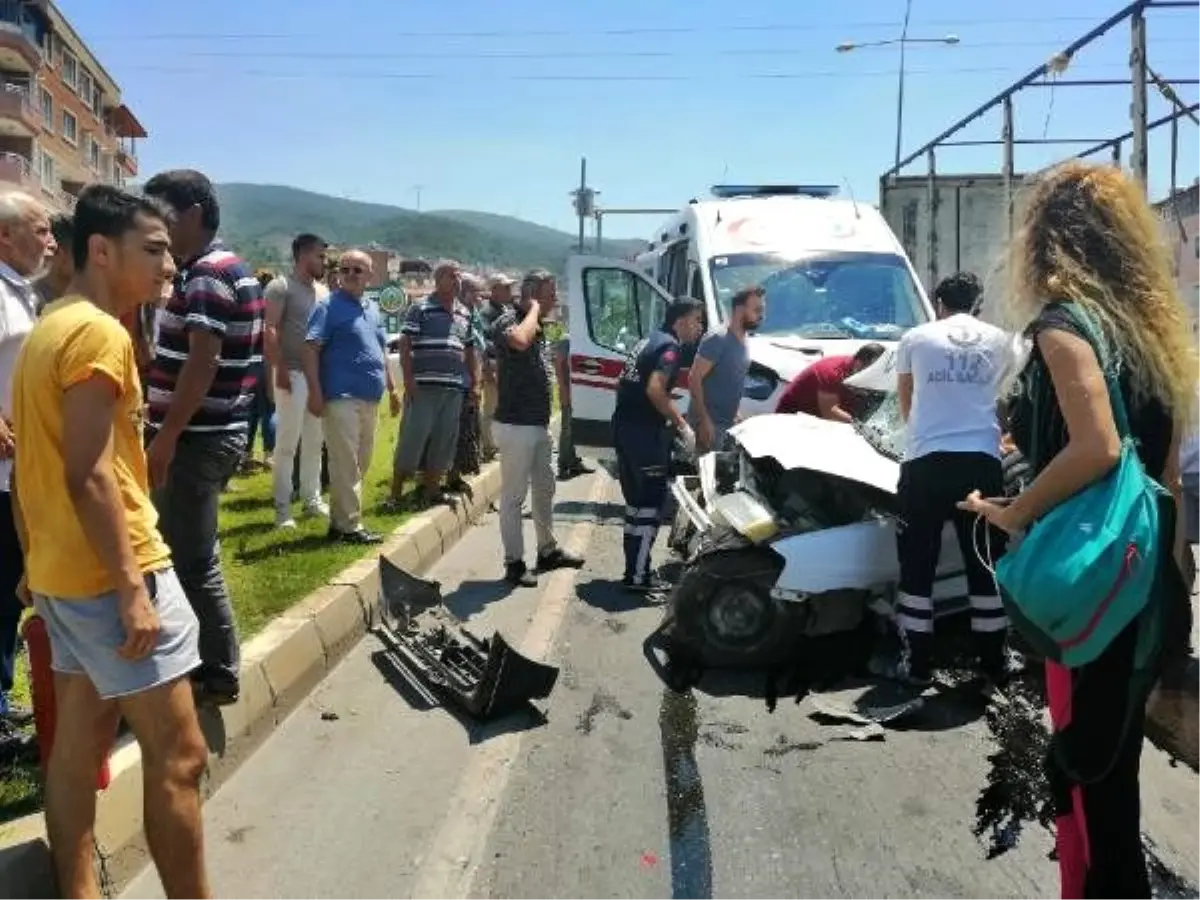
point(260, 220)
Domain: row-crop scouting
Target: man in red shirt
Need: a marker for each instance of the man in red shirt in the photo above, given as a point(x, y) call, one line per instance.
point(819, 389)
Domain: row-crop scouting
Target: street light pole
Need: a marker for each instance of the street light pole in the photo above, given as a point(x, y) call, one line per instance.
point(904, 40)
point(900, 87)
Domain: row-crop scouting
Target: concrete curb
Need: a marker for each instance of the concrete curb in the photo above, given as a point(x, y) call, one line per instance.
point(280, 665)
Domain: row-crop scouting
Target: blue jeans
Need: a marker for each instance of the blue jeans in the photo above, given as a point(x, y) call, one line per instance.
point(187, 507)
point(262, 411)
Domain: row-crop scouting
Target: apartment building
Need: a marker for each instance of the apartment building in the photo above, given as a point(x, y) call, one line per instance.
point(62, 122)
point(1181, 216)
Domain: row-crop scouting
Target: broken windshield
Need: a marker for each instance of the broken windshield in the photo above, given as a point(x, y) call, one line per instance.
point(863, 296)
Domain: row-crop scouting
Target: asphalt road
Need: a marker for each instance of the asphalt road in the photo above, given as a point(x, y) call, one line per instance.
point(624, 790)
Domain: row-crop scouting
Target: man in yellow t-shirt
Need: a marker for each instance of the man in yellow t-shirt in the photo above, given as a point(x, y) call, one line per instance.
point(123, 637)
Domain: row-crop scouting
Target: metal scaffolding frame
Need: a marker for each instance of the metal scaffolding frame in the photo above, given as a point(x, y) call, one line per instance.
point(1141, 75)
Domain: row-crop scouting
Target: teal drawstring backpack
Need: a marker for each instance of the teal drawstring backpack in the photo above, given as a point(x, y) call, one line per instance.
point(1087, 568)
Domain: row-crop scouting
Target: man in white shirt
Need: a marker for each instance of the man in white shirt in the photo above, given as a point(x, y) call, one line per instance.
point(290, 302)
point(948, 378)
point(25, 243)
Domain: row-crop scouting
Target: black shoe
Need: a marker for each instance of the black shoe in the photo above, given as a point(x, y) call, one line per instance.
point(16, 746)
point(574, 470)
point(212, 693)
point(558, 558)
point(518, 573)
point(651, 584)
point(359, 536)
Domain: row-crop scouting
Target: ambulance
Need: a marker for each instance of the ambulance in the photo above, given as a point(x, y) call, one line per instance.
point(835, 275)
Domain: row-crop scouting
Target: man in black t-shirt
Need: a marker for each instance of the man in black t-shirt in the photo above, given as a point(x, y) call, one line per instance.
point(642, 433)
point(521, 429)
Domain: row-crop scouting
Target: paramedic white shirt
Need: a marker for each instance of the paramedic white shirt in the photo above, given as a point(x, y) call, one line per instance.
point(957, 365)
point(18, 302)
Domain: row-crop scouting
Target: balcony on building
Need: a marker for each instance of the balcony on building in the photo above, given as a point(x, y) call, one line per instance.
point(18, 118)
point(23, 29)
point(128, 131)
point(16, 169)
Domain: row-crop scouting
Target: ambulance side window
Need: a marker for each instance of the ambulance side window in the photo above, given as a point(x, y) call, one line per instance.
point(611, 297)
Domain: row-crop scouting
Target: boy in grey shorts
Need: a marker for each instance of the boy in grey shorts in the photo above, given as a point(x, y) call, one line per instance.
point(123, 637)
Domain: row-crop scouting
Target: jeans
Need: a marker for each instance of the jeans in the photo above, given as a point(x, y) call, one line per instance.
point(188, 507)
point(297, 428)
point(262, 412)
point(12, 566)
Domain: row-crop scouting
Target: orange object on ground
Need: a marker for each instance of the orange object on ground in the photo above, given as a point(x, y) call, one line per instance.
point(37, 642)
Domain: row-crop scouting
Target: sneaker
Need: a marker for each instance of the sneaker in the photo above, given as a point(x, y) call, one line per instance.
point(558, 558)
point(574, 470)
point(518, 573)
point(358, 536)
point(316, 509)
point(286, 522)
point(651, 584)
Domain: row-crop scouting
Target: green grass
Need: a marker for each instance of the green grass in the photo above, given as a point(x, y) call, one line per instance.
point(267, 571)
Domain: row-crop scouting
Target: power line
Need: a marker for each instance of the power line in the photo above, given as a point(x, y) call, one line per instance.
point(607, 32)
point(502, 55)
point(325, 75)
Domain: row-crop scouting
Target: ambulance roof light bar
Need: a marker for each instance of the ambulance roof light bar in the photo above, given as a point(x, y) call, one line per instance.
point(730, 191)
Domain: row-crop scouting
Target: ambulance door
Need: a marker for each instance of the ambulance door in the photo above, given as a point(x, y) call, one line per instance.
point(613, 305)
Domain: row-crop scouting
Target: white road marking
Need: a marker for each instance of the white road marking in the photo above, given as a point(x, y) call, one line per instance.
point(457, 849)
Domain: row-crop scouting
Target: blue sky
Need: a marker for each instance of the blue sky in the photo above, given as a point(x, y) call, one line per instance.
point(489, 105)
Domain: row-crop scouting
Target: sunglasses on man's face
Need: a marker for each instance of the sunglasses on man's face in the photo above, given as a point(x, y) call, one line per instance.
point(351, 270)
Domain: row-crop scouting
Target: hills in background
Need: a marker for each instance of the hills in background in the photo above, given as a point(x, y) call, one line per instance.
point(260, 220)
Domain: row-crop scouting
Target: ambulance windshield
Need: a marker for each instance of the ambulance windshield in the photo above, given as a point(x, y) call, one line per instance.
point(860, 296)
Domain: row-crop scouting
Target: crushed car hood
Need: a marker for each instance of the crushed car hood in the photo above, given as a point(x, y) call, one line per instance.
point(799, 441)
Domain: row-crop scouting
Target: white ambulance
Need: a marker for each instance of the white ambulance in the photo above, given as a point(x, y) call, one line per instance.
point(835, 277)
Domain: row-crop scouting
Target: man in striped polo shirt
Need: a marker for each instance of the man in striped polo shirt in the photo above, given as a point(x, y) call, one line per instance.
point(200, 390)
point(439, 361)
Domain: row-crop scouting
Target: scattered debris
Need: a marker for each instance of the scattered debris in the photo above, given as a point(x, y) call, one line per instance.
point(329, 716)
point(238, 835)
point(864, 714)
point(601, 703)
point(870, 732)
point(649, 860)
point(432, 651)
point(783, 746)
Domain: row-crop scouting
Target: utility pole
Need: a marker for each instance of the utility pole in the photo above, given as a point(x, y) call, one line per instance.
point(1137, 109)
point(417, 188)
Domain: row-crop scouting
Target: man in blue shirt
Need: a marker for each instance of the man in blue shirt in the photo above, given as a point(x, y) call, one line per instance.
point(345, 357)
point(642, 435)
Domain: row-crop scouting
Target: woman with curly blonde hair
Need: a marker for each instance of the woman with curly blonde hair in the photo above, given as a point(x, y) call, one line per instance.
point(1090, 239)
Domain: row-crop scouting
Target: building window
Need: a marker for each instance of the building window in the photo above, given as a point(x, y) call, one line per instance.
point(97, 100)
point(93, 150)
point(70, 70)
point(46, 171)
point(70, 130)
point(47, 109)
point(85, 87)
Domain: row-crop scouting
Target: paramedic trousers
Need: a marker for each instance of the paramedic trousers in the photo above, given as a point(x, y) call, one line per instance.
point(930, 488)
point(643, 462)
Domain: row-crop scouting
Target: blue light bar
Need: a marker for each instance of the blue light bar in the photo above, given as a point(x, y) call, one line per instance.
point(729, 191)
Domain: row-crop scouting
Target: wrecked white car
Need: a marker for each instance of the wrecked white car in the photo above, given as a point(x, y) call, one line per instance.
point(789, 535)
